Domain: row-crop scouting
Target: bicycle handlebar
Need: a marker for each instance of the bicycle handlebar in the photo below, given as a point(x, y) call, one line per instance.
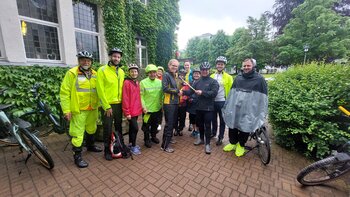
point(341, 108)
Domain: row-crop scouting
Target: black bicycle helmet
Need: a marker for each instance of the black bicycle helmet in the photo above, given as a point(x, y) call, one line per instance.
point(84, 54)
point(133, 66)
point(221, 59)
point(115, 50)
point(205, 66)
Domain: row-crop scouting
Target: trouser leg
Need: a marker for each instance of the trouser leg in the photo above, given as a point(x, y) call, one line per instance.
point(207, 125)
point(133, 130)
point(222, 122)
point(170, 114)
point(233, 135)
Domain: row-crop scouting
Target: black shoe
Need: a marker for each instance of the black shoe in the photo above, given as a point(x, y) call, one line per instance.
point(148, 143)
point(94, 149)
point(155, 140)
point(190, 128)
point(78, 160)
point(108, 156)
point(180, 133)
point(219, 142)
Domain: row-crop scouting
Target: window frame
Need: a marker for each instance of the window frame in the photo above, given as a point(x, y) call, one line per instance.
point(45, 23)
point(2, 46)
point(139, 48)
point(84, 31)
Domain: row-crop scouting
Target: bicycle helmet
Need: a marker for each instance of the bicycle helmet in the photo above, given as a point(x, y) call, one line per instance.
point(151, 67)
point(205, 66)
point(115, 50)
point(161, 68)
point(196, 70)
point(133, 66)
point(84, 54)
point(221, 59)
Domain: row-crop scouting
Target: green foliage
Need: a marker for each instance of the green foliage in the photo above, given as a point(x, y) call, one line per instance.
point(252, 42)
point(315, 23)
point(198, 49)
point(303, 105)
point(155, 22)
point(219, 44)
point(18, 80)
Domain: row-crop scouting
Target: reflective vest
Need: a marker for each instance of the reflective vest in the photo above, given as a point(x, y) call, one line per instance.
point(78, 92)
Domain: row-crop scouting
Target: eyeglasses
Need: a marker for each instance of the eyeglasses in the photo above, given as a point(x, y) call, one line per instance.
point(247, 65)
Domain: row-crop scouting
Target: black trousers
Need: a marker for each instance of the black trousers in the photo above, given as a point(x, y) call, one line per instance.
point(108, 122)
point(133, 129)
point(235, 135)
point(170, 115)
point(203, 123)
point(218, 105)
point(192, 118)
point(150, 128)
point(181, 117)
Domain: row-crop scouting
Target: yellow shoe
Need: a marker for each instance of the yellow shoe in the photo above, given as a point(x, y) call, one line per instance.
point(239, 150)
point(229, 147)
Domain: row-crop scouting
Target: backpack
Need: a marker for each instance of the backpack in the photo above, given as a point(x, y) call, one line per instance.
point(118, 148)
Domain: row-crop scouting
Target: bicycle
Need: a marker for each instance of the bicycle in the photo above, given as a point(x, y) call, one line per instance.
point(262, 143)
point(42, 115)
point(15, 132)
point(330, 168)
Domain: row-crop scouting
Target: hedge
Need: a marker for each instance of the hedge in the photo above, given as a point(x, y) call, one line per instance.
point(303, 104)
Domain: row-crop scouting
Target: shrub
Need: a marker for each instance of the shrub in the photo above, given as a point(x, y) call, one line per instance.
point(303, 105)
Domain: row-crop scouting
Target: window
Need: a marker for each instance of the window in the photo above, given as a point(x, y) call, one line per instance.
point(39, 28)
point(1, 46)
point(141, 52)
point(86, 28)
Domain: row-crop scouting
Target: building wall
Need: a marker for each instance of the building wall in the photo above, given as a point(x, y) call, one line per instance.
point(12, 45)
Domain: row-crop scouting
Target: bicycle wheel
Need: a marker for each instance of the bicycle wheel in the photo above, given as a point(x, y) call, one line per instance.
point(37, 147)
point(322, 171)
point(264, 148)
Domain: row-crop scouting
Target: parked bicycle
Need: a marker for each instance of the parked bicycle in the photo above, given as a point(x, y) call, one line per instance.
point(15, 132)
point(262, 143)
point(330, 168)
point(42, 118)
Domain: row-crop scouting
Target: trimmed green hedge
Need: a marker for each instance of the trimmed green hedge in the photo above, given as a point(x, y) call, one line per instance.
point(303, 104)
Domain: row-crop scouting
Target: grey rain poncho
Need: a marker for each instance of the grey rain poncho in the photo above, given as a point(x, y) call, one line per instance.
point(246, 105)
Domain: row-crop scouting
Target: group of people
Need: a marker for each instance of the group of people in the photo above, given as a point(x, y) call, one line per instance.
point(173, 94)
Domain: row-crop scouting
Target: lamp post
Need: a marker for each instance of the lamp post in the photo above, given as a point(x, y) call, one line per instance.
point(306, 49)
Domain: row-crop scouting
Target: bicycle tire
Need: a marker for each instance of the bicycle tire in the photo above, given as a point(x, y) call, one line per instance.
point(264, 149)
point(38, 148)
point(329, 163)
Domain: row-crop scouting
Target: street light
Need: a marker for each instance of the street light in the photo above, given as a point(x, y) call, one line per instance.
point(306, 49)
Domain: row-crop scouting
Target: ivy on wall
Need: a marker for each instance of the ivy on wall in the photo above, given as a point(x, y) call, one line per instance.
point(156, 22)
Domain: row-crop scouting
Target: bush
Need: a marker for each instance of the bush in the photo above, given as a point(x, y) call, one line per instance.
point(303, 104)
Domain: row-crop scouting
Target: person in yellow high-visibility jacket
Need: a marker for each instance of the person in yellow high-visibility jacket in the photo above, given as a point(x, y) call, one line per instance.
point(110, 80)
point(79, 104)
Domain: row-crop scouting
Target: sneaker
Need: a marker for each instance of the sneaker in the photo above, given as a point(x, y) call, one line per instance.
point(108, 156)
point(138, 147)
point(207, 149)
point(239, 150)
point(172, 141)
point(159, 127)
point(169, 150)
point(198, 142)
point(134, 150)
point(229, 147)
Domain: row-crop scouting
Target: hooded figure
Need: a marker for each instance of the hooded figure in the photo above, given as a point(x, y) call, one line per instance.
point(246, 106)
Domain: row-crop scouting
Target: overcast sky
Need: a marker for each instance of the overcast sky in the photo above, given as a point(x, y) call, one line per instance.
point(209, 16)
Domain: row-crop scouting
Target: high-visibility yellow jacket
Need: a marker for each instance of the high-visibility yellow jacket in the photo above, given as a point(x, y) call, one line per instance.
point(110, 85)
point(227, 81)
point(78, 92)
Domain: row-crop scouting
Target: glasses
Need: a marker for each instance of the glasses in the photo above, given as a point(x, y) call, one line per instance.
point(247, 65)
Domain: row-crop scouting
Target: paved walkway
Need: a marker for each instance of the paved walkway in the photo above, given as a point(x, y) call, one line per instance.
point(187, 172)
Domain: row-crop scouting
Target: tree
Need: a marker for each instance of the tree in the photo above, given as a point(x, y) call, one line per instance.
point(192, 48)
point(253, 42)
point(219, 44)
point(284, 8)
point(319, 26)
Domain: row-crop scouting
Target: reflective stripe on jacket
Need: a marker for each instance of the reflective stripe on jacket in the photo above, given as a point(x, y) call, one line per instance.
point(77, 92)
point(227, 81)
point(110, 85)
